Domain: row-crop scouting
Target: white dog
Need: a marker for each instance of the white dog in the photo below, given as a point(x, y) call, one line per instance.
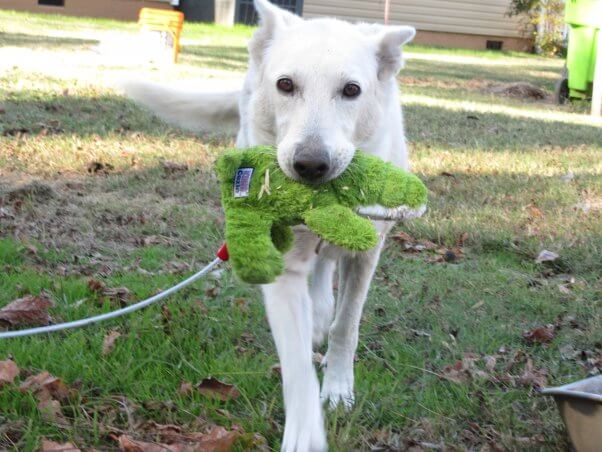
point(317, 90)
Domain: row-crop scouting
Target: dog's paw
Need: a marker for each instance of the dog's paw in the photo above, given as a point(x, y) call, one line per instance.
point(304, 435)
point(337, 389)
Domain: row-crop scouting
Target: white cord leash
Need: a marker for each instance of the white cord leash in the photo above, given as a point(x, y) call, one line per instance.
point(112, 315)
point(372, 212)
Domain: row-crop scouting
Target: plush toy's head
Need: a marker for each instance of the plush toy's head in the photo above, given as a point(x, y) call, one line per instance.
point(261, 203)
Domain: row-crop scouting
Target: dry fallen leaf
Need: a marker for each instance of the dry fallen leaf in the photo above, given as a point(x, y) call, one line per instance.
point(51, 446)
point(420, 333)
point(212, 387)
point(242, 304)
point(30, 310)
point(96, 286)
point(50, 410)
point(8, 372)
point(403, 237)
point(185, 388)
point(536, 378)
point(218, 439)
point(127, 444)
point(173, 167)
point(212, 292)
point(462, 240)
point(478, 304)
point(121, 295)
point(546, 256)
point(517, 357)
point(276, 370)
point(167, 433)
point(534, 211)
point(411, 245)
point(108, 344)
point(45, 387)
point(463, 370)
point(100, 167)
point(541, 335)
point(456, 373)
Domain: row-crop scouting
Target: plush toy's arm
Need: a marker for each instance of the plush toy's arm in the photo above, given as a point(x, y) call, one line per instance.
point(368, 181)
point(402, 189)
point(283, 237)
point(253, 255)
point(341, 226)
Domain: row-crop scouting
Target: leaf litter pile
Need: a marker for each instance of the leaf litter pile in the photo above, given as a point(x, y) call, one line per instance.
point(56, 402)
point(125, 424)
point(69, 209)
point(509, 369)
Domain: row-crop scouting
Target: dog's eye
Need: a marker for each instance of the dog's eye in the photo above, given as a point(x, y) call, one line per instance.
point(351, 90)
point(285, 85)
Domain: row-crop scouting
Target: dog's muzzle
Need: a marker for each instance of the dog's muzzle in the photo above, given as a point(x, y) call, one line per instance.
point(311, 161)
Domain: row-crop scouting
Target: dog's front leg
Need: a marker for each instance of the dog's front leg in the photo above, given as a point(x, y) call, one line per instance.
point(289, 310)
point(355, 274)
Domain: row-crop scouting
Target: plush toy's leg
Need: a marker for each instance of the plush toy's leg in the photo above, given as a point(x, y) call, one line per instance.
point(252, 253)
point(341, 226)
point(288, 306)
point(355, 274)
point(282, 237)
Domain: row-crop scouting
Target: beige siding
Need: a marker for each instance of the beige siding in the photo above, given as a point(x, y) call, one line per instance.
point(487, 17)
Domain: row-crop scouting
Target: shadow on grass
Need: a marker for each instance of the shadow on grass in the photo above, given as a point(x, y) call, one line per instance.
point(435, 126)
point(75, 115)
point(49, 42)
point(453, 129)
point(457, 72)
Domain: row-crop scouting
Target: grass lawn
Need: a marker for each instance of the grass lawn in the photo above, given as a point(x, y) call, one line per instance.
point(442, 361)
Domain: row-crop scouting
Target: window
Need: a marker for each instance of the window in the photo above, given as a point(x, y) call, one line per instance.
point(51, 2)
point(494, 45)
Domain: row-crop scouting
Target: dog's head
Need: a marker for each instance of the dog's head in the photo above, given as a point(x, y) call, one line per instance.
point(319, 87)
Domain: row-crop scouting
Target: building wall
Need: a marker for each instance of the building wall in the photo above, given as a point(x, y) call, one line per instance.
point(111, 9)
point(469, 23)
point(471, 41)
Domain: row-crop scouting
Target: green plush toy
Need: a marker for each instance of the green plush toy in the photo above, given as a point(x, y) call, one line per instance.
point(261, 204)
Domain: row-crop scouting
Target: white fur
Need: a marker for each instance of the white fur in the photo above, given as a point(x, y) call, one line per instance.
point(201, 111)
point(320, 56)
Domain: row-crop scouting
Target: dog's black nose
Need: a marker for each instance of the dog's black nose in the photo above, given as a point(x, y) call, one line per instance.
point(311, 170)
point(311, 163)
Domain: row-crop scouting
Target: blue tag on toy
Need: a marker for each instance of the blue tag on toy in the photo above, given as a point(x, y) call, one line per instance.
point(242, 182)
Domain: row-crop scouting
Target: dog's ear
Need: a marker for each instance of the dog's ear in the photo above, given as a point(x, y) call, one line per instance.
point(389, 43)
point(271, 19)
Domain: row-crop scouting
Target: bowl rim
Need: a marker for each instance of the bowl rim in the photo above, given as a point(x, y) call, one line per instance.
point(569, 390)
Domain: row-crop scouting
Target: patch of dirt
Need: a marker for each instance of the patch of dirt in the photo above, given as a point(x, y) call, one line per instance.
point(433, 82)
point(36, 190)
point(519, 90)
point(96, 218)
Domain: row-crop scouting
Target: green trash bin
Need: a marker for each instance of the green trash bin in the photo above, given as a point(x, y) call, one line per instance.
point(584, 18)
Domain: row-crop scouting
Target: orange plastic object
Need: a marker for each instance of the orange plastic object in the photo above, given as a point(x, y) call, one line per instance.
point(168, 23)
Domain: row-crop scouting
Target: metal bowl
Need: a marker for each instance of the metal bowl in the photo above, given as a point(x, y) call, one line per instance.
point(580, 405)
